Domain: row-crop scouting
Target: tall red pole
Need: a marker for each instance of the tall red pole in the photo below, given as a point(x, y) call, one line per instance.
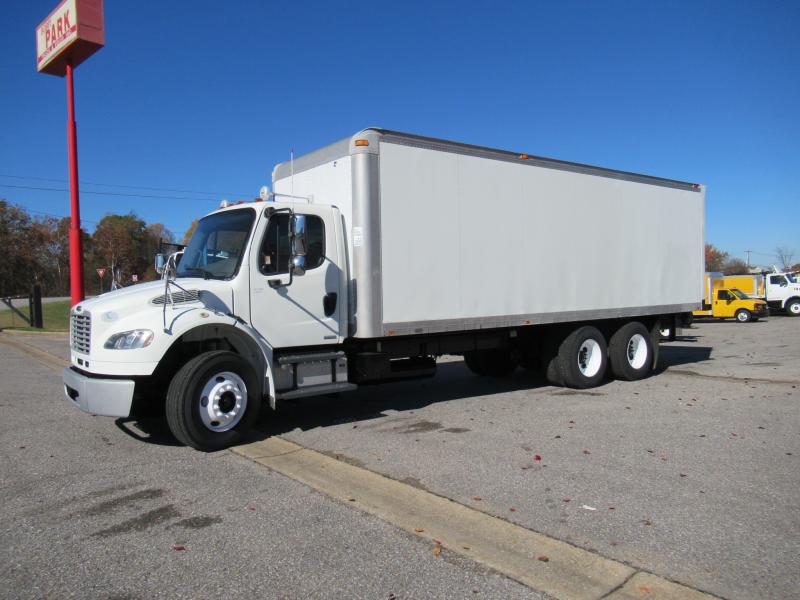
point(75, 237)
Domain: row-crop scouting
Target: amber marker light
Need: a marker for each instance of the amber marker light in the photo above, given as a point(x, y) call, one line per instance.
point(362, 142)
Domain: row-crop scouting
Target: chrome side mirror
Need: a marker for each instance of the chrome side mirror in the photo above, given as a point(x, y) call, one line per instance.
point(161, 263)
point(299, 245)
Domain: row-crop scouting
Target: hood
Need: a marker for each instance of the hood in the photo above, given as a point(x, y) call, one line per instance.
point(117, 305)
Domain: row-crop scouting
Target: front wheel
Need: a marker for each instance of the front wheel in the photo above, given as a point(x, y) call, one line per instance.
point(213, 400)
point(743, 315)
point(793, 308)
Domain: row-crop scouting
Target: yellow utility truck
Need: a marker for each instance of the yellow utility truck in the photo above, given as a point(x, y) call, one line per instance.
point(725, 302)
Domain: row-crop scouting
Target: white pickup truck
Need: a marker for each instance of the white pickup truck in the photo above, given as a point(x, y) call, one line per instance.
point(375, 255)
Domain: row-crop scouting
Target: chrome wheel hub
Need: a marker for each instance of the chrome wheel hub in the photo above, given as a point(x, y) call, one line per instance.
point(223, 401)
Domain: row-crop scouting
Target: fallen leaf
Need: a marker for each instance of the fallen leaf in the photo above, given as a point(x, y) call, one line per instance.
point(543, 558)
point(466, 547)
point(572, 422)
point(419, 529)
point(512, 510)
point(586, 452)
point(567, 499)
point(682, 474)
point(437, 542)
point(476, 498)
point(558, 437)
point(645, 590)
point(537, 458)
point(647, 522)
point(611, 508)
point(178, 548)
point(437, 550)
point(351, 499)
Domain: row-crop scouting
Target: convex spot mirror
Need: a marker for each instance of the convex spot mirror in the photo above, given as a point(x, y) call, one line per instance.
point(160, 263)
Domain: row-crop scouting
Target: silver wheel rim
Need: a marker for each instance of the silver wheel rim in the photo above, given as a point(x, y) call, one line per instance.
point(590, 358)
point(794, 308)
point(637, 351)
point(223, 401)
point(742, 316)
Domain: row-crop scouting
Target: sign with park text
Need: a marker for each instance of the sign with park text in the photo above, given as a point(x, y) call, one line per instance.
point(69, 35)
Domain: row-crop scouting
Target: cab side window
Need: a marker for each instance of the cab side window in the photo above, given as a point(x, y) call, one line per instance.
point(276, 248)
point(723, 295)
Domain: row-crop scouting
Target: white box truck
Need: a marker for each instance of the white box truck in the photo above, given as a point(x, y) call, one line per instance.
point(781, 291)
point(375, 255)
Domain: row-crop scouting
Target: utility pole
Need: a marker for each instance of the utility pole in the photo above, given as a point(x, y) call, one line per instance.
point(748, 252)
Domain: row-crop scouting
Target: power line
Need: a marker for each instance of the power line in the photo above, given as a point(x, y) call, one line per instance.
point(158, 197)
point(119, 185)
point(47, 214)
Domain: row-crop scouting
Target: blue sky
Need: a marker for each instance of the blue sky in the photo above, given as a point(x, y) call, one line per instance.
point(208, 96)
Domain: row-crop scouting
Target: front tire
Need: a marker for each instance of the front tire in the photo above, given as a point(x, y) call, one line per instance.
point(582, 358)
point(630, 352)
point(213, 400)
point(793, 308)
point(743, 315)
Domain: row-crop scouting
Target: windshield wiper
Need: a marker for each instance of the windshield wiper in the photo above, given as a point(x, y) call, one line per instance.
point(206, 273)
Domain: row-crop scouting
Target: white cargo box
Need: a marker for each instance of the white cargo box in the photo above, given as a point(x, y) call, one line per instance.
point(445, 236)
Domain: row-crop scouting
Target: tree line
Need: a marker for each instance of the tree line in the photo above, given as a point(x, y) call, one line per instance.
point(720, 261)
point(37, 251)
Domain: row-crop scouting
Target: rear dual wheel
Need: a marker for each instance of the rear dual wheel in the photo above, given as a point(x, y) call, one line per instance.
point(631, 352)
point(580, 360)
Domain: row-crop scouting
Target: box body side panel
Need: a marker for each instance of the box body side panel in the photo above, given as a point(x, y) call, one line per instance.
point(469, 242)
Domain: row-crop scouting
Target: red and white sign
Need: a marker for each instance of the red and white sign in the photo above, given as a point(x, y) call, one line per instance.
point(70, 34)
point(100, 272)
point(55, 33)
point(134, 278)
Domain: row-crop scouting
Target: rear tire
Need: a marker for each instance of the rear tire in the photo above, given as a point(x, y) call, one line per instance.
point(630, 352)
point(743, 315)
point(582, 358)
point(496, 362)
point(213, 400)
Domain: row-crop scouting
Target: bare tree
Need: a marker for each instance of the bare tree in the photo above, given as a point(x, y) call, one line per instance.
point(785, 256)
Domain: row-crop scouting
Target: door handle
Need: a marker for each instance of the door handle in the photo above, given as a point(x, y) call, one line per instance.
point(329, 303)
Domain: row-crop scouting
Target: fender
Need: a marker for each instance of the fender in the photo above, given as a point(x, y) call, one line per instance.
point(244, 339)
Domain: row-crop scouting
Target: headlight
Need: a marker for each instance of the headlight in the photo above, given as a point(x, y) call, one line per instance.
point(128, 340)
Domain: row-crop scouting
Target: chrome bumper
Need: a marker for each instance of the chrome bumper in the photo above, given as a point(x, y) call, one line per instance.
point(106, 397)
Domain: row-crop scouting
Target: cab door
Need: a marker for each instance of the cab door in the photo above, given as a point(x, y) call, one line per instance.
point(299, 310)
point(723, 304)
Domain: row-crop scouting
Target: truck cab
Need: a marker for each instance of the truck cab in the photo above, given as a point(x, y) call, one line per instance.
point(783, 293)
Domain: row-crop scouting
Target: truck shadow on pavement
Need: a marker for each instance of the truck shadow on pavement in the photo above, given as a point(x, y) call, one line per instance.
point(673, 355)
point(453, 381)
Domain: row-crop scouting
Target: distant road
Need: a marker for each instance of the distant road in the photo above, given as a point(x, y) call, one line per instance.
point(23, 302)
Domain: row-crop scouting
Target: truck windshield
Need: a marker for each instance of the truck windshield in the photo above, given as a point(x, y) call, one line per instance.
point(740, 294)
point(217, 245)
point(791, 278)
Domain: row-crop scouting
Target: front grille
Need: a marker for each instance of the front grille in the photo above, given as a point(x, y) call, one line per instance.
point(81, 332)
point(178, 297)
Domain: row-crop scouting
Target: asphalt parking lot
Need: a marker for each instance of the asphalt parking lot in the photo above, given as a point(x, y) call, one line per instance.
point(691, 475)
